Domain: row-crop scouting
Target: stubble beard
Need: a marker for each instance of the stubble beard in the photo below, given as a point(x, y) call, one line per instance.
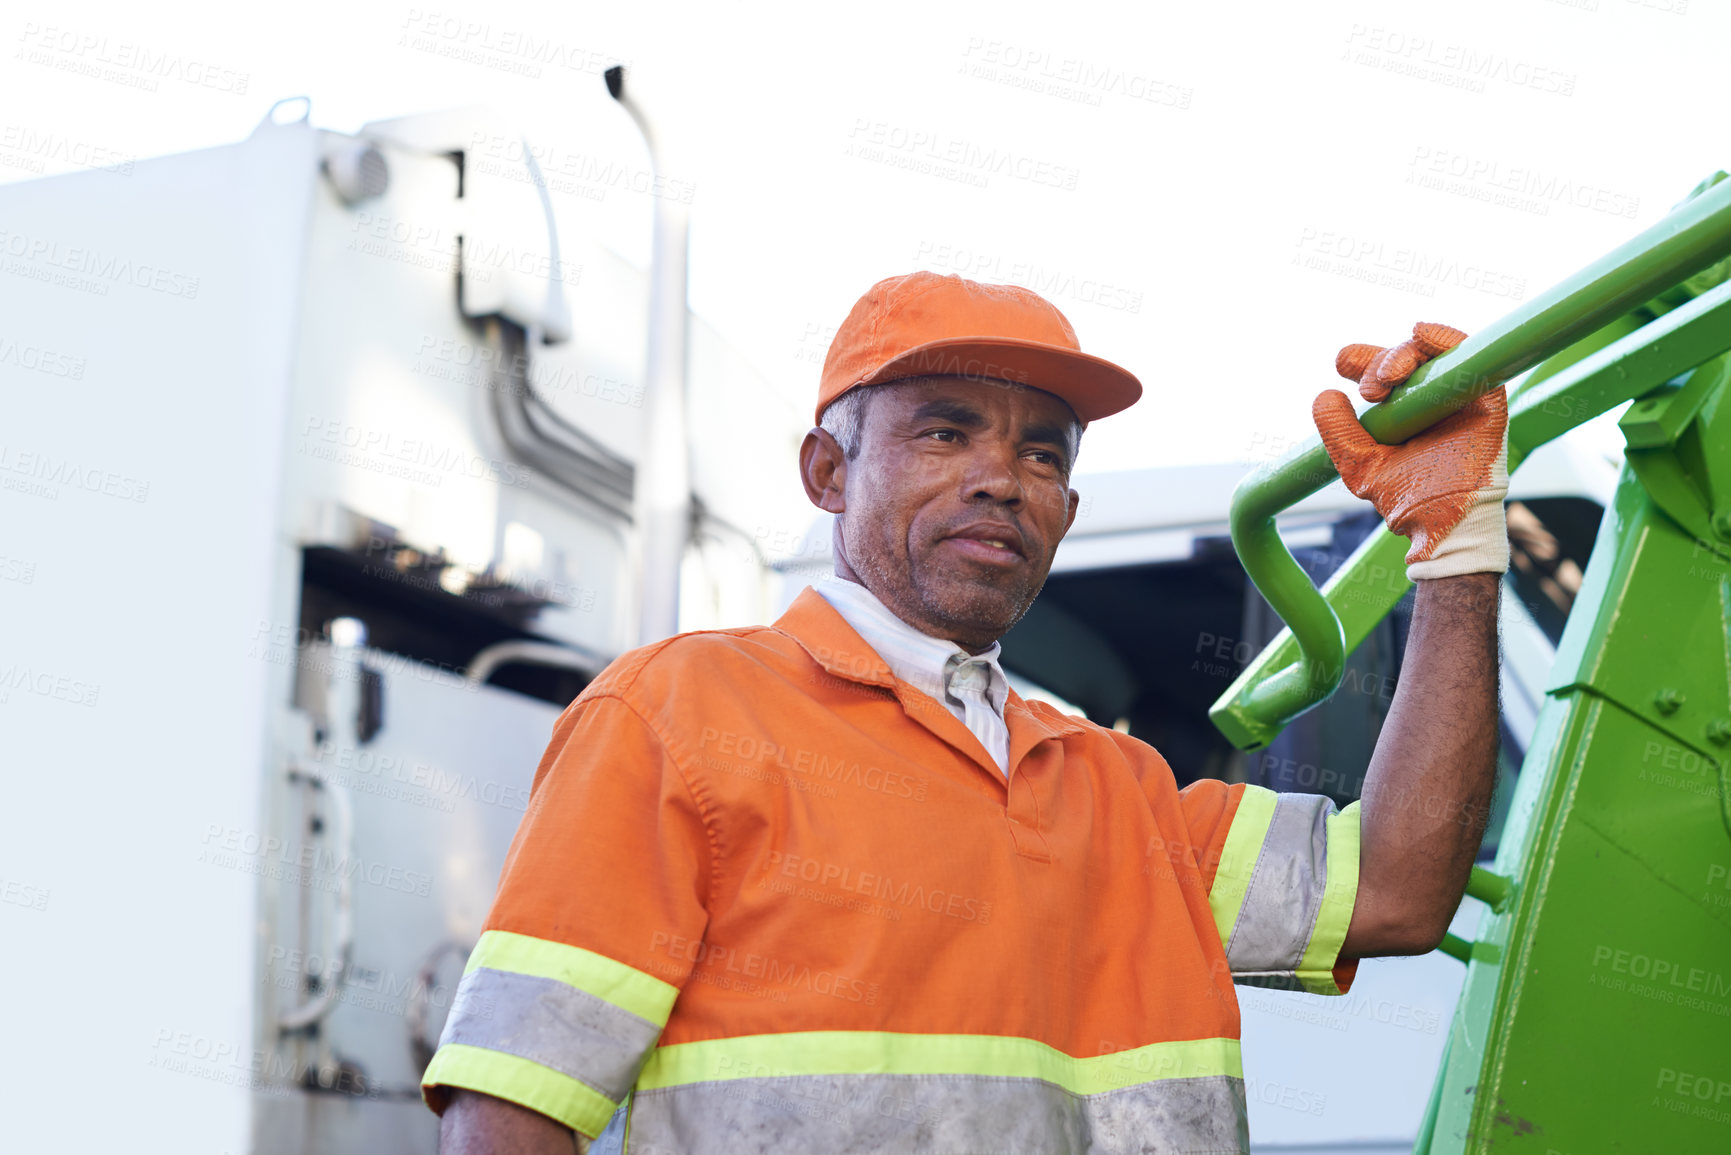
point(967, 612)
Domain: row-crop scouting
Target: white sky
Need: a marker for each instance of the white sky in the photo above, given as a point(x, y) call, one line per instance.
point(1213, 153)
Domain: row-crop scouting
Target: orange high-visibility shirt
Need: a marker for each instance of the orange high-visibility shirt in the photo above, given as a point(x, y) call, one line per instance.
point(792, 905)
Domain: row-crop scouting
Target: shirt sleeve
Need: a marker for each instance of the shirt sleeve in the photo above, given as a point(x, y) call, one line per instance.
point(589, 938)
point(1282, 877)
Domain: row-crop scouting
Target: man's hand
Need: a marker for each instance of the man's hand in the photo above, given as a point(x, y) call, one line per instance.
point(1378, 370)
point(1443, 489)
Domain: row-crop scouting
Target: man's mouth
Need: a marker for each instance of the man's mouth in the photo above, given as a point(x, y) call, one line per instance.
point(994, 542)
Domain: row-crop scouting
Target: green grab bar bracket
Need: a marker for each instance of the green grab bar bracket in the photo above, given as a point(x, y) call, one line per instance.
point(1456, 947)
point(1494, 890)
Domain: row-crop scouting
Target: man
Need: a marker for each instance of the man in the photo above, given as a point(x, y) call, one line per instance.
point(832, 886)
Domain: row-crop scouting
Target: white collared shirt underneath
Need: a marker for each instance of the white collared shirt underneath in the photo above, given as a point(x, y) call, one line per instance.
point(972, 687)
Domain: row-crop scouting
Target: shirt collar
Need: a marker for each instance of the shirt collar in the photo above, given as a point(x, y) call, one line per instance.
point(917, 658)
point(833, 643)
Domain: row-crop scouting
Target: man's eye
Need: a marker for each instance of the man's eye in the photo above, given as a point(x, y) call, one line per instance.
point(1046, 457)
point(944, 434)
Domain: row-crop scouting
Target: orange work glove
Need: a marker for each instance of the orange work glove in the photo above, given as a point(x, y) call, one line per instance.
point(1443, 489)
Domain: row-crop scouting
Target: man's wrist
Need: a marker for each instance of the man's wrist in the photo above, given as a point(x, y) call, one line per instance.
point(1479, 544)
point(1467, 593)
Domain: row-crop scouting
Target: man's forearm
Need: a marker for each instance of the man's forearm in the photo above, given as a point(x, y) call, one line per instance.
point(1427, 792)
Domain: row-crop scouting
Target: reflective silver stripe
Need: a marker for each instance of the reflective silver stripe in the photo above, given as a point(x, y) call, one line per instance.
point(1285, 892)
point(554, 1024)
point(799, 1115)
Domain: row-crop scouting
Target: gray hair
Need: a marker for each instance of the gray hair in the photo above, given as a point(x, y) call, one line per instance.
point(844, 418)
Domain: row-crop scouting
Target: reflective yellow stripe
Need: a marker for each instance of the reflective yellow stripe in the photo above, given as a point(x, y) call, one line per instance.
point(626, 987)
point(1316, 969)
point(1238, 857)
point(519, 1081)
point(883, 1053)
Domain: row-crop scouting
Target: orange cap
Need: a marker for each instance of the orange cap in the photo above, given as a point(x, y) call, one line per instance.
point(929, 324)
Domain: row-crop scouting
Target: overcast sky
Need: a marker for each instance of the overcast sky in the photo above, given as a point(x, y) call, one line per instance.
point(1218, 196)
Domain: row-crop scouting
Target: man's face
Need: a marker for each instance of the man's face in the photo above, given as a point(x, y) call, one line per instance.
point(954, 507)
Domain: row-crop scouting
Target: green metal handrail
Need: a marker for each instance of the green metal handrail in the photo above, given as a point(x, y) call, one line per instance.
point(1260, 703)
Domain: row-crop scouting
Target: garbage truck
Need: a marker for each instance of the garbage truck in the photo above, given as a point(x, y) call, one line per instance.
point(323, 467)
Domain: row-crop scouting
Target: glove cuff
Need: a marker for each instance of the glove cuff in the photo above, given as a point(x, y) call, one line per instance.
point(1479, 544)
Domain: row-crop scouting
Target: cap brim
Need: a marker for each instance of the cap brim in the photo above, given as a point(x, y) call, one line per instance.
point(1093, 386)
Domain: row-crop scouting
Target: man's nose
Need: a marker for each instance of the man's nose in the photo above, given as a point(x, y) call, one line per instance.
point(991, 476)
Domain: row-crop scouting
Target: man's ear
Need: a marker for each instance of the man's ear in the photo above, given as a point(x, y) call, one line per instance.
point(1075, 500)
point(823, 469)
